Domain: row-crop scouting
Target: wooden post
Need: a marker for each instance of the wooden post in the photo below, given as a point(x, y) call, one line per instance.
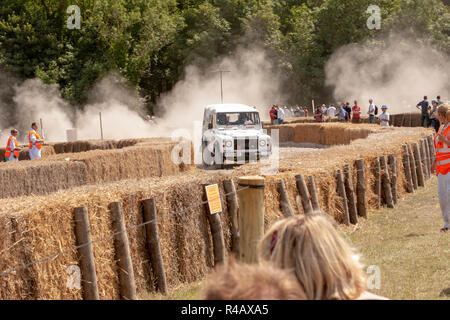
point(304, 194)
point(313, 192)
point(412, 162)
point(425, 158)
point(343, 195)
point(393, 164)
point(101, 125)
point(348, 181)
point(429, 154)
point(406, 165)
point(361, 188)
point(418, 158)
point(86, 253)
point(233, 214)
point(284, 200)
point(123, 256)
point(151, 230)
point(431, 147)
point(386, 182)
point(215, 226)
point(251, 216)
point(378, 181)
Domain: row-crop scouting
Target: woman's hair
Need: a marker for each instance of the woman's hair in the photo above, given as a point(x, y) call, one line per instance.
point(443, 110)
point(325, 265)
point(234, 281)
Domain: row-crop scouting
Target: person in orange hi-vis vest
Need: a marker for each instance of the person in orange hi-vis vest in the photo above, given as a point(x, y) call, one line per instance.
point(441, 165)
point(12, 147)
point(35, 142)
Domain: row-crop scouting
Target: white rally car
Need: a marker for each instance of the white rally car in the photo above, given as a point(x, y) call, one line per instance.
point(233, 133)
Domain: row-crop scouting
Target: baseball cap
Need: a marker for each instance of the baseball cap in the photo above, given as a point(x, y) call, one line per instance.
point(384, 106)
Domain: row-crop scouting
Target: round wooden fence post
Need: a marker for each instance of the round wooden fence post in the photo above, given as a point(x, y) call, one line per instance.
point(342, 194)
point(285, 204)
point(215, 226)
point(353, 212)
point(386, 183)
point(313, 192)
point(425, 158)
point(406, 166)
point(361, 188)
point(378, 181)
point(419, 168)
point(123, 256)
point(304, 194)
point(151, 230)
point(431, 147)
point(412, 162)
point(233, 214)
point(251, 216)
point(86, 253)
point(393, 165)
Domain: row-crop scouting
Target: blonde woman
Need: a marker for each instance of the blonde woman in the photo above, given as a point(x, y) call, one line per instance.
point(441, 165)
point(324, 264)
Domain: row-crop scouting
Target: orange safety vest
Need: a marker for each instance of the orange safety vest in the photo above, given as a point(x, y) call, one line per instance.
point(38, 144)
point(8, 148)
point(442, 151)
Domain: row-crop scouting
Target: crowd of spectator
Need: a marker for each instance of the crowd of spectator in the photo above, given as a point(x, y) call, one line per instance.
point(346, 113)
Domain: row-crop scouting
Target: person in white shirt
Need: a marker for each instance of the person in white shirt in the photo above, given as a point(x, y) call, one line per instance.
point(12, 148)
point(384, 117)
point(281, 115)
point(371, 112)
point(331, 112)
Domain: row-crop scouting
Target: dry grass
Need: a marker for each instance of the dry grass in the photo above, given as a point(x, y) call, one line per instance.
point(406, 244)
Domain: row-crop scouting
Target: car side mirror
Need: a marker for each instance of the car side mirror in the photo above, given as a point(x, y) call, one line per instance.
point(210, 126)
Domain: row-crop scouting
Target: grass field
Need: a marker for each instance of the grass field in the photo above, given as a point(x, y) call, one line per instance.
point(405, 243)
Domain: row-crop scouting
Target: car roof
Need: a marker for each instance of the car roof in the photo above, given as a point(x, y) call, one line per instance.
point(218, 108)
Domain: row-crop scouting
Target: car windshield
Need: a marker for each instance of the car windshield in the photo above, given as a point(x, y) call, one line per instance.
point(237, 118)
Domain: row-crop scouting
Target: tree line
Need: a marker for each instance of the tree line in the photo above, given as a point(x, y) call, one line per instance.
point(150, 42)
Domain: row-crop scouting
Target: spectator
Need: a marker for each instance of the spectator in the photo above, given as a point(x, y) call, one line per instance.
point(439, 100)
point(441, 165)
point(318, 115)
point(292, 112)
point(235, 281)
point(324, 264)
point(297, 112)
point(306, 112)
point(356, 113)
point(287, 112)
point(424, 106)
point(280, 115)
point(371, 112)
point(272, 114)
point(384, 117)
point(342, 114)
point(348, 109)
point(331, 112)
point(434, 115)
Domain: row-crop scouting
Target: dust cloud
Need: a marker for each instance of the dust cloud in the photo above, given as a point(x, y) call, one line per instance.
point(397, 72)
point(251, 80)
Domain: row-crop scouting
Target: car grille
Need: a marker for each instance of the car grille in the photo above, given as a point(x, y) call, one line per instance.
point(245, 144)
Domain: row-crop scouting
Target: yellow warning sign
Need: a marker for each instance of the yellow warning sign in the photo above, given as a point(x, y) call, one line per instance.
point(213, 195)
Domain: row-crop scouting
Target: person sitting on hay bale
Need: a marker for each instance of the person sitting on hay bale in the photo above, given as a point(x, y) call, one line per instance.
point(324, 264)
point(234, 281)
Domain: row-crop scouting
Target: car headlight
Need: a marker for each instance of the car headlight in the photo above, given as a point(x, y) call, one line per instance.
point(229, 144)
point(262, 143)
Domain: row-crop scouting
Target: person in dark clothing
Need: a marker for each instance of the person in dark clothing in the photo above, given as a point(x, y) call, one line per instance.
point(348, 109)
point(424, 106)
point(434, 115)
